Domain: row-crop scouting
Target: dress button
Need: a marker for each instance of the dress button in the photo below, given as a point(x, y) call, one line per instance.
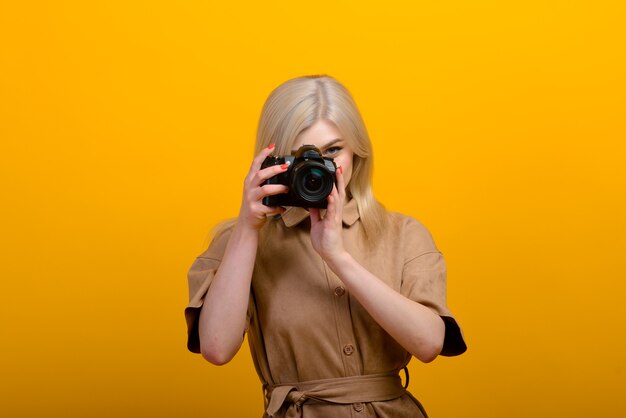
point(339, 291)
point(358, 407)
point(348, 349)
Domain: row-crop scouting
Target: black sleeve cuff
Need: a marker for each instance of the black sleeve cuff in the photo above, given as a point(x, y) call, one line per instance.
point(453, 343)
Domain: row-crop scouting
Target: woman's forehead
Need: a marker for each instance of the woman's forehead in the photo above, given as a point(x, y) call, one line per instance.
point(322, 133)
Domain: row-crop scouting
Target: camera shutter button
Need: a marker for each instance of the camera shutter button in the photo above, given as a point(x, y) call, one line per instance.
point(340, 291)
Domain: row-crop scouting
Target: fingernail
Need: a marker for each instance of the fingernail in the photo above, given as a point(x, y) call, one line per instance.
point(271, 146)
point(284, 166)
point(341, 169)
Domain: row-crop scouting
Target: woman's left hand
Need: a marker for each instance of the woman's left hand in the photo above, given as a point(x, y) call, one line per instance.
point(326, 232)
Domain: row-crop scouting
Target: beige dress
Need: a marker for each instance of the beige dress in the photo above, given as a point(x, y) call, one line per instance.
point(316, 350)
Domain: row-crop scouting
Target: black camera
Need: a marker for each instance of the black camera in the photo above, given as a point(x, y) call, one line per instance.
point(310, 178)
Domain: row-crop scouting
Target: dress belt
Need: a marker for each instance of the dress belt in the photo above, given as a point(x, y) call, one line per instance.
point(341, 390)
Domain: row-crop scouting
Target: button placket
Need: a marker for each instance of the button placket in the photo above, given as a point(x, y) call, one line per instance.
point(347, 350)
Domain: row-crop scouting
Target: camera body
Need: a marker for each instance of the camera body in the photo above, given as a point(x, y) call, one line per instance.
point(310, 178)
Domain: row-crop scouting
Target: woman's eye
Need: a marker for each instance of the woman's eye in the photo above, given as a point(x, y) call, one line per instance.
point(332, 151)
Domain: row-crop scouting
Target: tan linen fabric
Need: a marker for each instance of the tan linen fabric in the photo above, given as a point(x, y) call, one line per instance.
point(303, 325)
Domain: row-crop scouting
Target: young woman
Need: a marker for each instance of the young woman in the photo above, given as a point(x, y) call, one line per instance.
point(335, 301)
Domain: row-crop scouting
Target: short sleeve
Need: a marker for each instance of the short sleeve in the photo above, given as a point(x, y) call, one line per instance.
point(199, 278)
point(424, 281)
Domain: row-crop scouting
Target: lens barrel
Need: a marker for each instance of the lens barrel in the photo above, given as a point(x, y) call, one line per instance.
point(311, 181)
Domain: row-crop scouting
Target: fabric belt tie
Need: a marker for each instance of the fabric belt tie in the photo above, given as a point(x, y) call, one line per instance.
point(342, 390)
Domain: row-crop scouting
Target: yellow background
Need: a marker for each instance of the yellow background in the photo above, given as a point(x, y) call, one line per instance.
point(126, 129)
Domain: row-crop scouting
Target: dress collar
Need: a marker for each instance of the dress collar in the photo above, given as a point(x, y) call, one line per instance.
point(294, 215)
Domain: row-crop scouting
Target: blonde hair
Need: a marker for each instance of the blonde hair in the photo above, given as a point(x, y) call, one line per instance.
point(296, 105)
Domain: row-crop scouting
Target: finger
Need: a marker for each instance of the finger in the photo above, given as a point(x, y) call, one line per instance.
point(259, 208)
point(331, 208)
point(269, 190)
point(258, 160)
point(273, 210)
point(341, 183)
point(268, 172)
point(315, 216)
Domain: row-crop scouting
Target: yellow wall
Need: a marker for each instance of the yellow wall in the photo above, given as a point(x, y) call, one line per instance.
point(127, 127)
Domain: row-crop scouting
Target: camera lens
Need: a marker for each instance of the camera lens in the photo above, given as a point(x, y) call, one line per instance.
point(312, 181)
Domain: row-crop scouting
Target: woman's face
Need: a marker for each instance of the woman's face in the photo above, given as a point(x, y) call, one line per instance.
point(325, 135)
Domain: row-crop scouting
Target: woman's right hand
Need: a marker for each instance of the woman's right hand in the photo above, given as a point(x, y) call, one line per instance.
point(253, 213)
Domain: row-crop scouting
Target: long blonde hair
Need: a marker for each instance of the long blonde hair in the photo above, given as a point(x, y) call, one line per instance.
point(296, 105)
